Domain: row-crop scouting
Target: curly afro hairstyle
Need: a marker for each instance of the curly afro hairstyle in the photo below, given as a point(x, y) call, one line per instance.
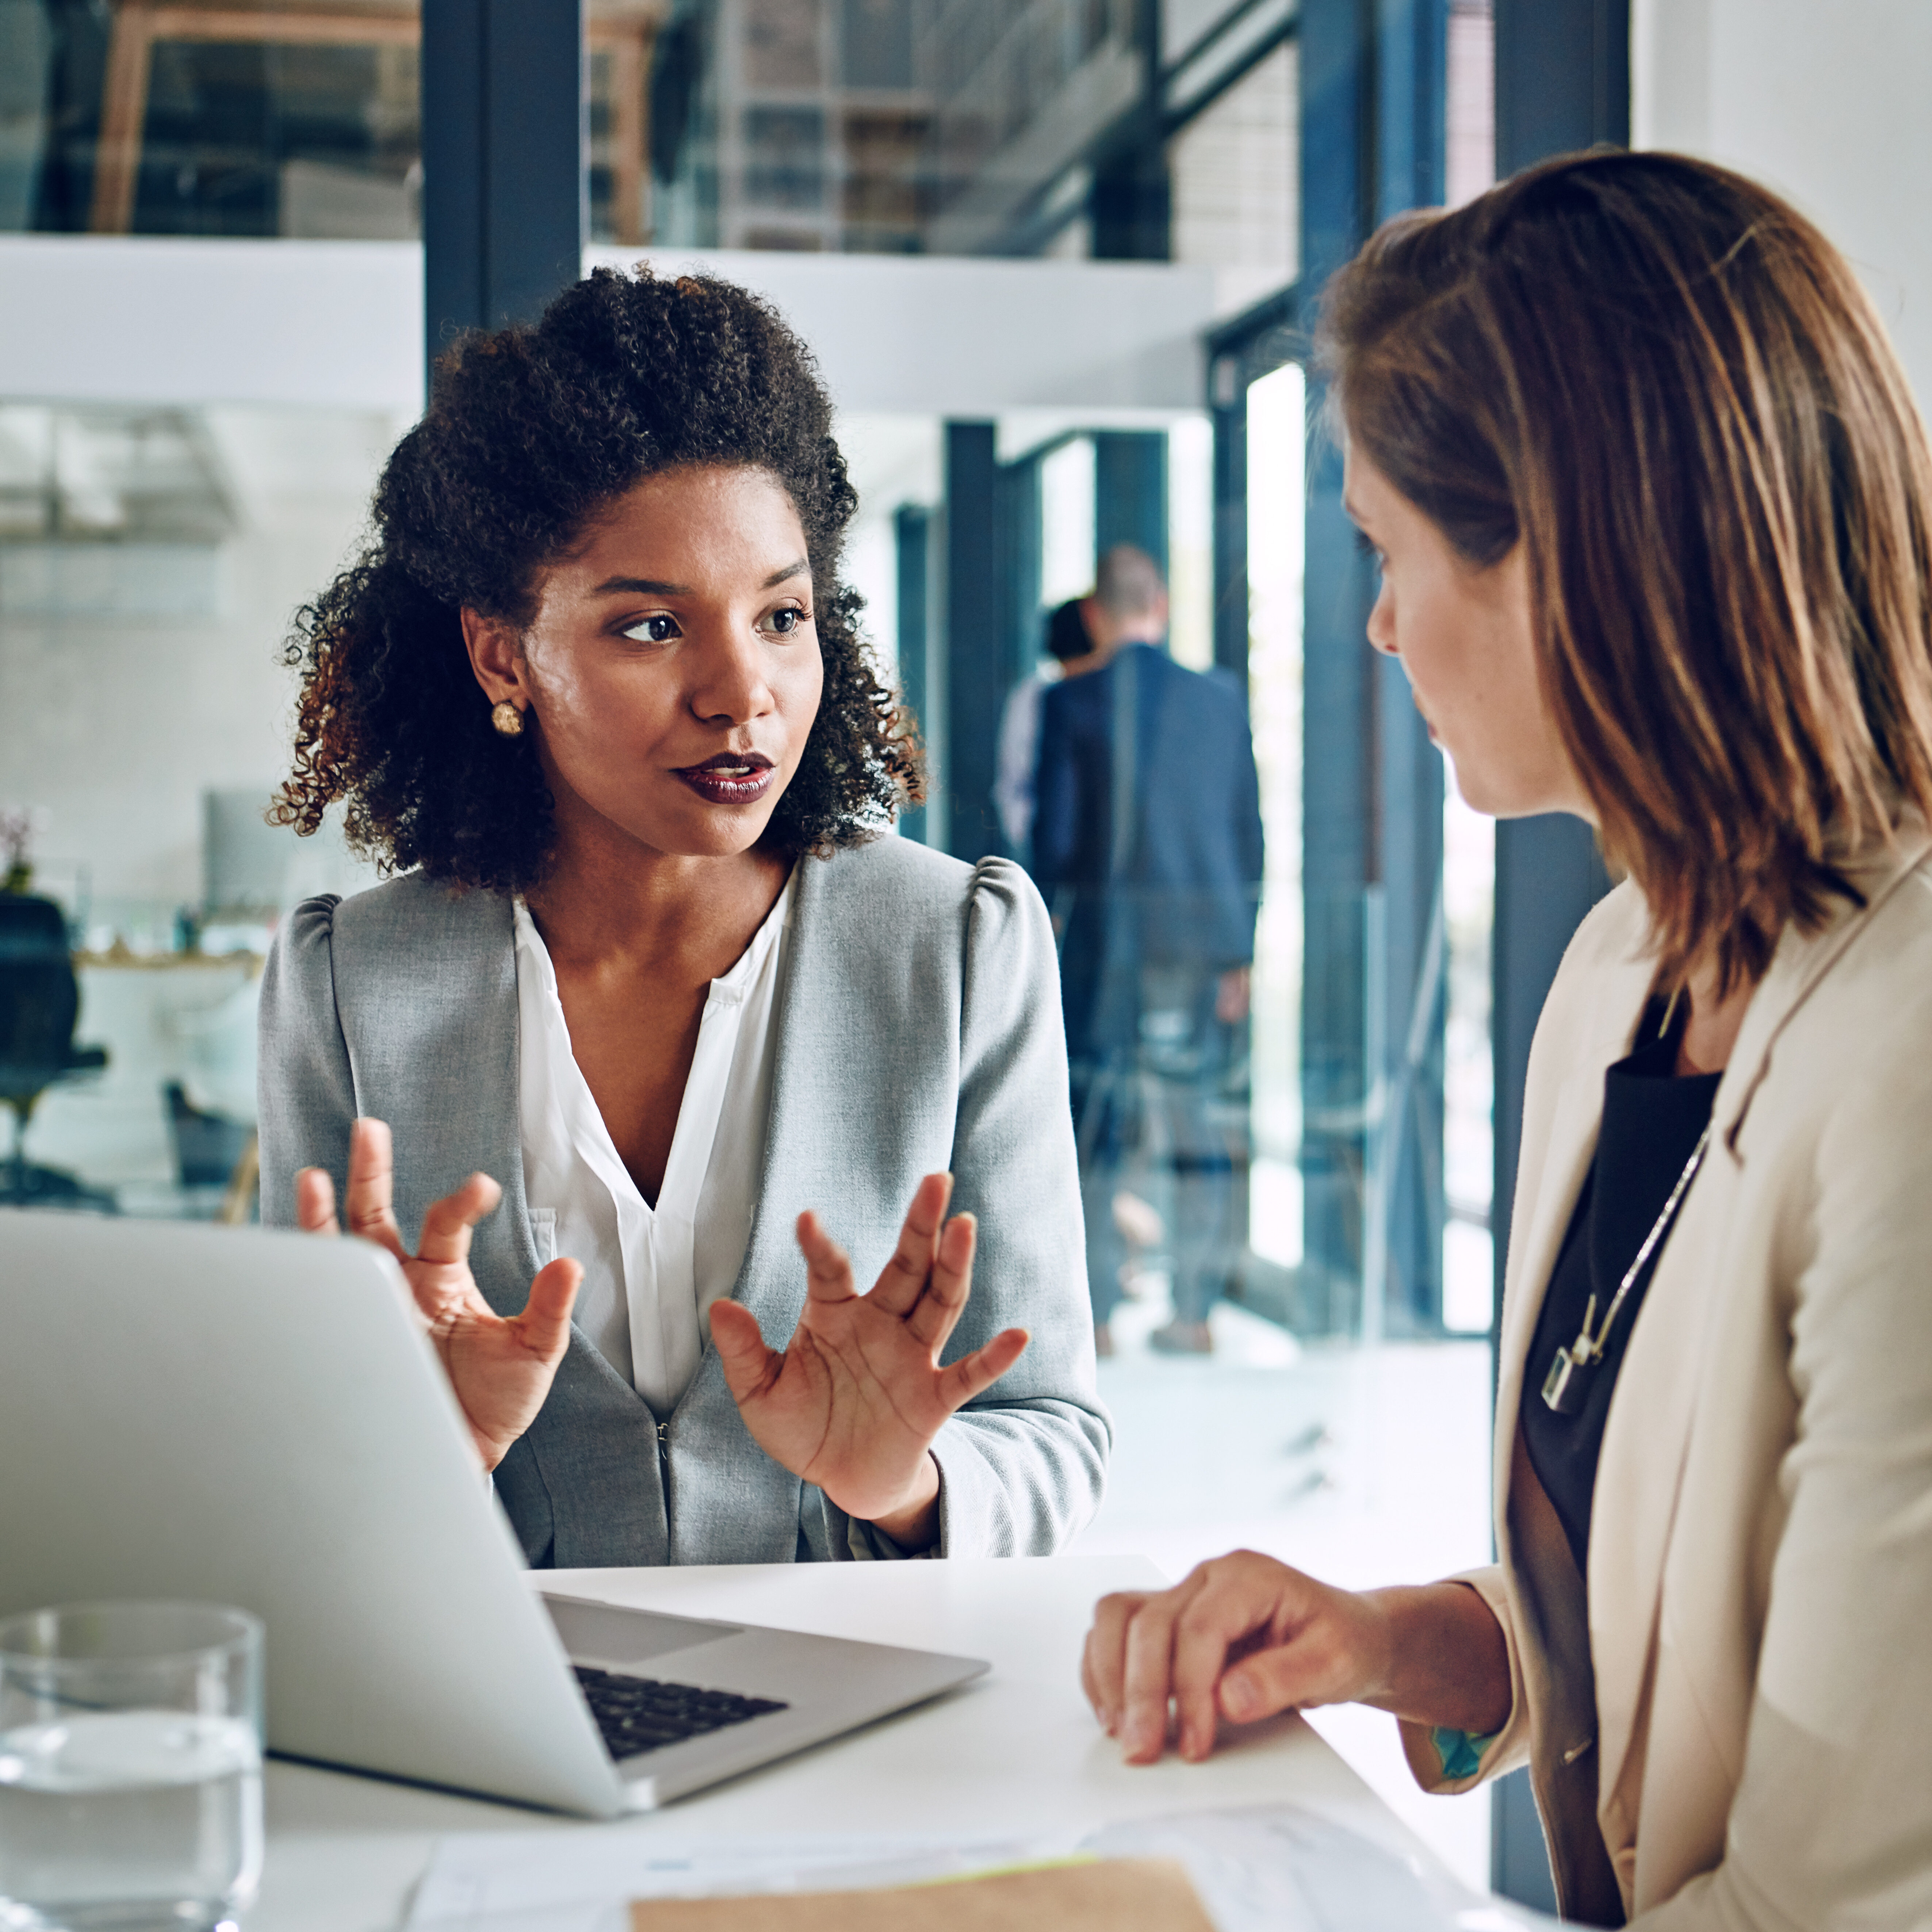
point(532, 433)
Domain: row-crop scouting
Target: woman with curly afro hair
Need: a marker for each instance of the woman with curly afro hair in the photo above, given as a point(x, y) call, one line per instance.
point(653, 982)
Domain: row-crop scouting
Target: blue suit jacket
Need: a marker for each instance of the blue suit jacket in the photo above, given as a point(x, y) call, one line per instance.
point(1157, 861)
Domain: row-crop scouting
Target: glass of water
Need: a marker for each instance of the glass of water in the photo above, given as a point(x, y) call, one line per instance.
point(131, 1768)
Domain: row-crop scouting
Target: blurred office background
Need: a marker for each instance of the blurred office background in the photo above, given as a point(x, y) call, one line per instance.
point(1056, 259)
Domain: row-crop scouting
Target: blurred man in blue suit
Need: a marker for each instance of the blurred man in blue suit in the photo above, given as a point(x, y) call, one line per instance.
point(1146, 845)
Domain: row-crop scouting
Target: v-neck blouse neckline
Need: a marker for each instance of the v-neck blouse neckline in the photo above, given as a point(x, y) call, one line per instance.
point(651, 1272)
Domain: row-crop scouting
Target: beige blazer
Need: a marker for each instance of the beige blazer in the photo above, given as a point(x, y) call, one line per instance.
point(1753, 1746)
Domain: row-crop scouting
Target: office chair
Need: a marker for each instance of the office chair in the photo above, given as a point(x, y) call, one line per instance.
point(39, 999)
point(211, 1151)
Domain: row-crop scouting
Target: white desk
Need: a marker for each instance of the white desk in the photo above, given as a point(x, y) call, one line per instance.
point(1017, 1753)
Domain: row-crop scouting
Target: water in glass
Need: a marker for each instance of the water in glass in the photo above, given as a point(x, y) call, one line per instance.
point(119, 1814)
point(178, 1797)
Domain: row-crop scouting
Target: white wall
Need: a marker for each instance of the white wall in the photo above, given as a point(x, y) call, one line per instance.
point(339, 324)
point(1826, 103)
point(136, 319)
point(966, 336)
point(116, 726)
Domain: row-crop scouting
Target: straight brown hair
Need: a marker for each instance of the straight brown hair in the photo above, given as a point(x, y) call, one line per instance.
point(1667, 385)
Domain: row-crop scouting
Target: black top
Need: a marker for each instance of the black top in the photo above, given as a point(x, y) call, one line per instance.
point(1651, 1121)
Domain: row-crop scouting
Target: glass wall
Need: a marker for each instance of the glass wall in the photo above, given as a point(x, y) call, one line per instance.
point(1277, 409)
point(151, 558)
point(883, 126)
point(151, 562)
point(879, 125)
point(229, 117)
point(1469, 839)
point(1235, 177)
point(956, 127)
point(282, 117)
point(1257, 1402)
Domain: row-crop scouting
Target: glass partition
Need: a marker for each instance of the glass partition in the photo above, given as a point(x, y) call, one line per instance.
point(225, 117)
point(150, 561)
point(1263, 1398)
point(296, 118)
point(953, 127)
point(1277, 409)
point(896, 126)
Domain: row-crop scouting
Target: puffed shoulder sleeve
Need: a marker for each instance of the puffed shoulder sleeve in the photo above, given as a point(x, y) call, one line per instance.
point(1024, 1466)
point(305, 1088)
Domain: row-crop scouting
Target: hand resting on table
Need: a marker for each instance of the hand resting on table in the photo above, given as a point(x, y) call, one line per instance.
point(1244, 1637)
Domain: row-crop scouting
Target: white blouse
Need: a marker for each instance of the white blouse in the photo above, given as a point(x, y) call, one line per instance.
point(650, 1274)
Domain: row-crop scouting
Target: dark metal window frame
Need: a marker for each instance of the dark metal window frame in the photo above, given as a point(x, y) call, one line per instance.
point(504, 131)
point(992, 571)
point(1562, 82)
point(1124, 165)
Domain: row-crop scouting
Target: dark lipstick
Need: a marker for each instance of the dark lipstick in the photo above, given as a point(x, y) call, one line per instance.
point(732, 778)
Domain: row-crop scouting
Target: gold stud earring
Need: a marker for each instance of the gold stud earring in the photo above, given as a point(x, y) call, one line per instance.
point(507, 719)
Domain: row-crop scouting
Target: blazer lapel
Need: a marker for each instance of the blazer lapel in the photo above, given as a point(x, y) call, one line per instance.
point(1647, 1437)
point(771, 1253)
point(833, 1057)
point(1640, 1468)
point(436, 1056)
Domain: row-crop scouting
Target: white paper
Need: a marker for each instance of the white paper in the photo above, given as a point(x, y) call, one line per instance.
point(1280, 1868)
point(1277, 1868)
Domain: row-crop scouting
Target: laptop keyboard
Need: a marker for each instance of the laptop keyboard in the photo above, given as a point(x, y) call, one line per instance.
point(638, 1714)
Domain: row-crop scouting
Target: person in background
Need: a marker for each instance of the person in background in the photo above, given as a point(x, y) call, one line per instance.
point(652, 984)
point(1068, 638)
point(1652, 504)
point(1147, 845)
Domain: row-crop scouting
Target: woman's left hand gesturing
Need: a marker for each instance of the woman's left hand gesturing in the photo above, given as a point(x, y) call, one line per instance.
point(858, 1395)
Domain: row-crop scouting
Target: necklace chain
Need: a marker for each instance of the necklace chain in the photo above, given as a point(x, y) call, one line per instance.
point(1563, 1387)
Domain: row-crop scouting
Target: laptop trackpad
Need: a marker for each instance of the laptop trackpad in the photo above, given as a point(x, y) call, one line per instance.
point(603, 1634)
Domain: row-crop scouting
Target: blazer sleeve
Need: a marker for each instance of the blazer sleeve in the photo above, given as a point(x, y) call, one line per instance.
point(305, 1089)
point(1448, 1762)
point(1023, 1466)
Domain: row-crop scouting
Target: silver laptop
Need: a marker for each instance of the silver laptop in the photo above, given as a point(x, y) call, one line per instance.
point(234, 1416)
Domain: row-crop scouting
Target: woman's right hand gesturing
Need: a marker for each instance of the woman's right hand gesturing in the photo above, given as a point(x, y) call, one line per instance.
point(1244, 1637)
point(500, 1370)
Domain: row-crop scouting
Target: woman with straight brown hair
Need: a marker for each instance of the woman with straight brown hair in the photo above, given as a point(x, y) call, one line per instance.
point(1649, 495)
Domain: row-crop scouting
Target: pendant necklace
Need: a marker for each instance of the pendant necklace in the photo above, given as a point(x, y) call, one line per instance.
point(1566, 1386)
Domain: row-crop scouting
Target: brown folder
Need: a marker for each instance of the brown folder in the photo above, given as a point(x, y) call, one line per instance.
point(1104, 1895)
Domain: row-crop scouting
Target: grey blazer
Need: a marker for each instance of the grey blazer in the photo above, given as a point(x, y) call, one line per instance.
point(918, 1029)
